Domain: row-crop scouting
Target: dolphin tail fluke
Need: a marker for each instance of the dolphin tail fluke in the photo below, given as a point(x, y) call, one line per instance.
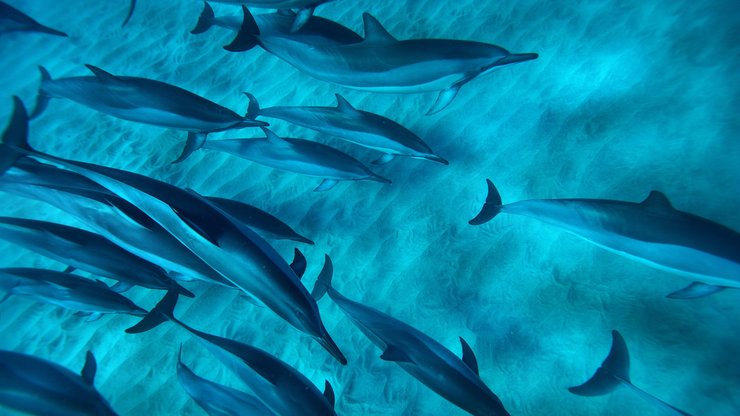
point(253, 107)
point(205, 21)
point(323, 282)
point(301, 18)
point(696, 290)
point(614, 371)
point(491, 208)
point(15, 137)
point(42, 98)
point(194, 142)
point(163, 312)
point(246, 38)
point(131, 8)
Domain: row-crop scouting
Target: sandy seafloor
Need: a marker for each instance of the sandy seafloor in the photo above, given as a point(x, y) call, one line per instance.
point(627, 96)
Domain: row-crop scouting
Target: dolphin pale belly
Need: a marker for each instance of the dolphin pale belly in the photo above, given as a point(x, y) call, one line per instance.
point(14, 20)
point(380, 63)
point(651, 232)
point(455, 379)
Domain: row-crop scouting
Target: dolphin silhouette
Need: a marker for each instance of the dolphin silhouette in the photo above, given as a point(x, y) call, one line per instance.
point(615, 372)
point(455, 379)
point(14, 20)
point(651, 232)
point(36, 386)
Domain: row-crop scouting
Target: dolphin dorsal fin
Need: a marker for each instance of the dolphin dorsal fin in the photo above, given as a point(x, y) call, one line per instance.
point(395, 354)
point(329, 393)
point(468, 356)
point(657, 201)
point(343, 105)
point(299, 263)
point(89, 369)
point(374, 31)
point(274, 138)
point(102, 75)
point(613, 371)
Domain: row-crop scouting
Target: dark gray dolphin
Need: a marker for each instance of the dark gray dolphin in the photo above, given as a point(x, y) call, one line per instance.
point(455, 379)
point(615, 372)
point(221, 241)
point(317, 30)
point(299, 156)
point(143, 100)
point(651, 232)
point(278, 385)
point(36, 386)
point(380, 63)
point(360, 127)
point(89, 297)
point(216, 399)
point(14, 20)
point(87, 251)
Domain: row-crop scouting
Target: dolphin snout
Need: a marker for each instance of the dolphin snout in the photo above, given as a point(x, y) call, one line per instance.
point(435, 158)
point(378, 178)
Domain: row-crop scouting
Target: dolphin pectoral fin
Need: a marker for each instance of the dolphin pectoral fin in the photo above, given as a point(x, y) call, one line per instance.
point(69, 269)
point(468, 356)
point(396, 355)
point(386, 158)
point(329, 393)
point(246, 38)
point(131, 8)
point(301, 18)
point(444, 99)
point(325, 185)
point(89, 369)
point(299, 263)
point(121, 287)
point(194, 142)
point(103, 75)
point(205, 20)
point(374, 31)
point(6, 296)
point(94, 317)
point(491, 208)
point(613, 371)
point(696, 290)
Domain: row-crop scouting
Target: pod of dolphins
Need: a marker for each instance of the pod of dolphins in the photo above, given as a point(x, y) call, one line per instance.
point(144, 232)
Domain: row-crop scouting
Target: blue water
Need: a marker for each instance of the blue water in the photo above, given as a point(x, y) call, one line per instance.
point(626, 97)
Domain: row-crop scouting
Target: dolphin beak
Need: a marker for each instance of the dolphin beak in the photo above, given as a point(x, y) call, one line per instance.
point(435, 158)
point(253, 123)
point(516, 58)
point(378, 178)
point(330, 346)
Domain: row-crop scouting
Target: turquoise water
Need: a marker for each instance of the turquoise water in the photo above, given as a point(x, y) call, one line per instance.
point(626, 97)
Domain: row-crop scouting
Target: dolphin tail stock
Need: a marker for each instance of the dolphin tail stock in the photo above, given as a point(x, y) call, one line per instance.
point(194, 142)
point(491, 208)
point(15, 137)
point(131, 8)
point(246, 38)
point(42, 98)
point(162, 312)
point(205, 20)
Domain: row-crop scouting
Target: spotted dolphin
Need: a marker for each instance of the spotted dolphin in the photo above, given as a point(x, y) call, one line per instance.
point(360, 127)
point(381, 63)
point(455, 379)
point(279, 386)
point(216, 399)
point(143, 100)
point(615, 372)
point(36, 386)
point(300, 156)
point(88, 297)
point(221, 241)
point(316, 31)
point(651, 232)
point(14, 20)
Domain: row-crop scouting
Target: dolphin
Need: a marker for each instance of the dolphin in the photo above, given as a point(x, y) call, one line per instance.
point(360, 127)
point(14, 20)
point(278, 385)
point(87, 251)
point(455, 379)
point(67, 290)
point(317, 30)
point(221, 241)
point(36, 386)
point(615, 372)
point(381, 63)
point(143, 100)
point(299, 156)
point(651, 232)
point(216, 399)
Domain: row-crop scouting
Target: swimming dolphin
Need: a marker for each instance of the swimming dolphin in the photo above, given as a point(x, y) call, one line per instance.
point(455, 379)
point(216, 399)
point(360, 127)
point(651, 232)
point(300, 156)
point(615, 372)
point(89, 297)
point(87, 251)
point(36, 386)
point(143, 100)
point(221, 241)
point(317, 30)
point(380, 63)
point(278, 385)
point(14, 20)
